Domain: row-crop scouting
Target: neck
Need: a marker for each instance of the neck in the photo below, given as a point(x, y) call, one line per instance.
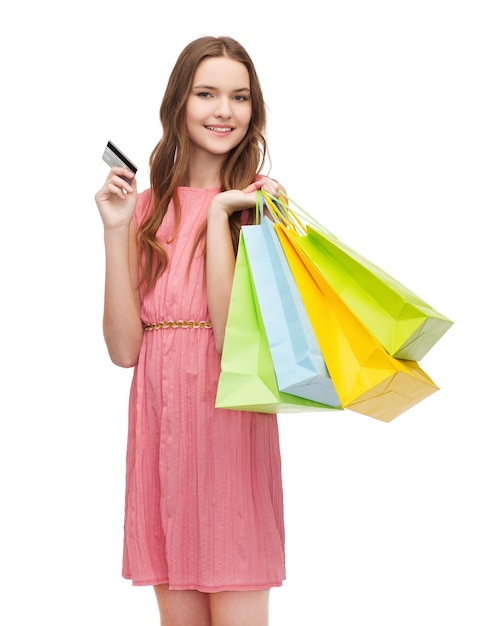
point(204, 170)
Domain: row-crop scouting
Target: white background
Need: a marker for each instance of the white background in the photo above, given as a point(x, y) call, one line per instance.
point(385, 124)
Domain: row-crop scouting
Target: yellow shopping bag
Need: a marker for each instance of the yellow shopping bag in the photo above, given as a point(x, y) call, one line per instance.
point(403, 323)
point(368, 380)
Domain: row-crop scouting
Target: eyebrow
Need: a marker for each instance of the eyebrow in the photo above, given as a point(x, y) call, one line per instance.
point(210, 87)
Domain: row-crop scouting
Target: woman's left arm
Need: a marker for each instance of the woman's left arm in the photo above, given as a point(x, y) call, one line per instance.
point(220, 257)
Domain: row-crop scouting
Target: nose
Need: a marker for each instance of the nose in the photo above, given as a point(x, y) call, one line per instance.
point(223, 108)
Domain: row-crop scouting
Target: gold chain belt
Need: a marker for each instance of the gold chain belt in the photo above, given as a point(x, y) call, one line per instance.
point(177, 324)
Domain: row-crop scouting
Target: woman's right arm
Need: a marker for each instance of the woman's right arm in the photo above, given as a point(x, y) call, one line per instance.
point(122, 327)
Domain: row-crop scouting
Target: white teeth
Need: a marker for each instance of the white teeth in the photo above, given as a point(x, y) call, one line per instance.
point(219, 130)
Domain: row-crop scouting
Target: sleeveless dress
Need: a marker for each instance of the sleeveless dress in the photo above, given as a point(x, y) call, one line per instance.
point(204, 507)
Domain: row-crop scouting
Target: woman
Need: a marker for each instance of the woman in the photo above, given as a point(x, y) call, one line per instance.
point(204, 511)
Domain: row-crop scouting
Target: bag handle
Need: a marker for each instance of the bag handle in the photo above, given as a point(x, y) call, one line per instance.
point(281, 211)
point(263, 199)
point(259, 207)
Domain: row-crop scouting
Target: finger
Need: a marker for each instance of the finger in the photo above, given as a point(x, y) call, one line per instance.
point(267, 184)
point(125, 186)
point(271, 186)
point(123, 172)
point(273, 189)
point(252, 187)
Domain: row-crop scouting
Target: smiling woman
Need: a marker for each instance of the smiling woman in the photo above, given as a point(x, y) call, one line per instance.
point(204, 507)
point(218, 113)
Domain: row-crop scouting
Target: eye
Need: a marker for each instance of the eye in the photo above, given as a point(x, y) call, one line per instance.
point(241, 98)
point(203, 94)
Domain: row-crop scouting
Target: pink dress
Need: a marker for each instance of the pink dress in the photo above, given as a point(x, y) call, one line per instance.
point(204, 505)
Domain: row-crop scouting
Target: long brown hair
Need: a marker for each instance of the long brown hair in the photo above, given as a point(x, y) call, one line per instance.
point(169, 159)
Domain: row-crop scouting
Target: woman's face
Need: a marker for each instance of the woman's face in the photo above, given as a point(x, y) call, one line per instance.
point(218, 109)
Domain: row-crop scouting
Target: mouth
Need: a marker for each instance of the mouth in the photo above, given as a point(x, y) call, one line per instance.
point(220, 129)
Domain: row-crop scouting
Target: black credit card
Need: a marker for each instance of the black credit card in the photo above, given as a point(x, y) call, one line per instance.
point(114, 157)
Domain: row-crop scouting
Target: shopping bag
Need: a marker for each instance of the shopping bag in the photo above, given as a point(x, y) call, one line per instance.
point(403, 323)
point(247, 379)
point(368, 379)
point(298, 363)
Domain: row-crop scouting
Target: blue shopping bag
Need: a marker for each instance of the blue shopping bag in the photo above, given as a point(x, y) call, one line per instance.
point(247, 380)
point(298, 362)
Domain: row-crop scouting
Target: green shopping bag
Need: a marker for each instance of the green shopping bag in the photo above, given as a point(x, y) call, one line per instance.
point(404, 324)
point(368, 380)
point(299, 366)
point(247, 380)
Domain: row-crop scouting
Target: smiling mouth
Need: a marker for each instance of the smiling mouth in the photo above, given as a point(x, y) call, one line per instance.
point(219, 129)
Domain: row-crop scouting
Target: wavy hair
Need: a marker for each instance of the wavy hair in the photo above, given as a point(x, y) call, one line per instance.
point(169, 159)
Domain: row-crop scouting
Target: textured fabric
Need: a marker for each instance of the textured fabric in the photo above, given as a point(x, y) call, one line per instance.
point(204, 503)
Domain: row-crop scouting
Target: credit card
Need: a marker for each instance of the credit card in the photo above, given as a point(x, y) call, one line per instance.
point(114, 157)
